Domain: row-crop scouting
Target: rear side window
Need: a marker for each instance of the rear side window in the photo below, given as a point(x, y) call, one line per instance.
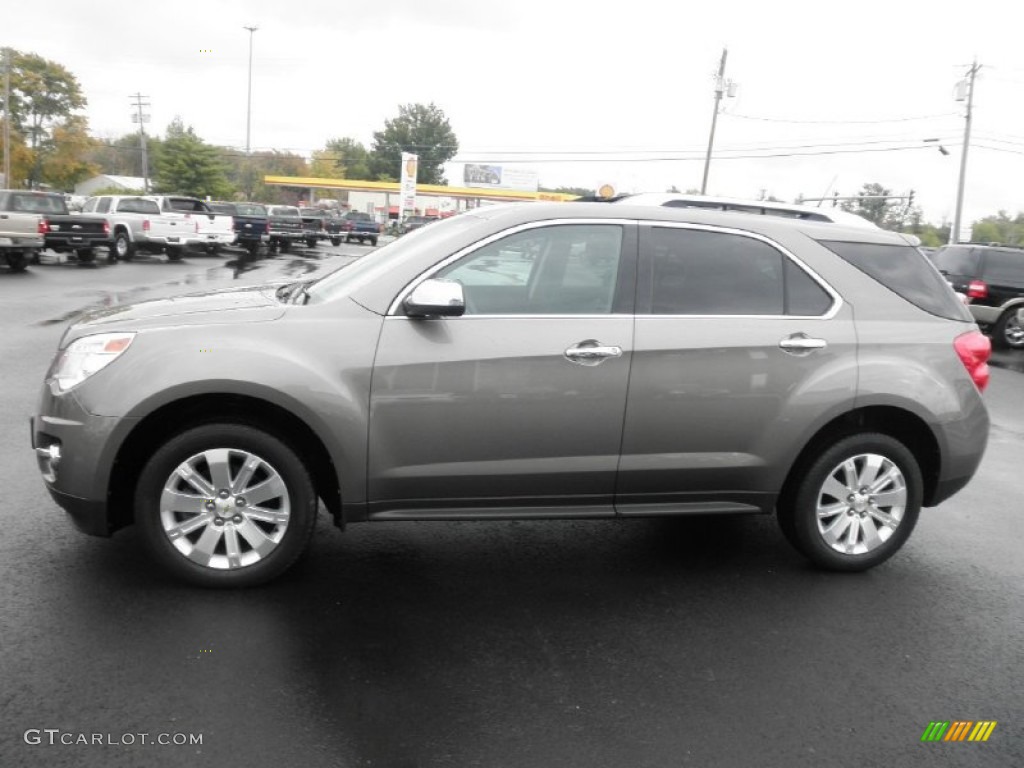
point(1004, 268)
point(905, 271)
point(103, 206)
point(694, 272)
point(957, 260)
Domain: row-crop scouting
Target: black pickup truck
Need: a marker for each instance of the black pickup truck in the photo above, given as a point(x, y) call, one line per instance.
point(251, 223)
point(321, 224)
point(285, 226)
point(63, 231)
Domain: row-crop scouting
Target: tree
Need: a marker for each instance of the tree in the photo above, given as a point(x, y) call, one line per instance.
point(246, 173)
point(873, 204)
point(421, 129)
point(186, 165)
point(122, 156)
point(999, 229)
point(43, 102)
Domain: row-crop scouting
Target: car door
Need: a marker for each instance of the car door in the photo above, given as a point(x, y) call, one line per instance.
point(739, 349)
point(516, 407)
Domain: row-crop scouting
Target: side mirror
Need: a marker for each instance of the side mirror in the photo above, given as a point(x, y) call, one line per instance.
point(435, 297)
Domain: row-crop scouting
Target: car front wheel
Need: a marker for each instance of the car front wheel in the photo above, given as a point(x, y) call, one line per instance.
point(225, 505)
point(855, 504)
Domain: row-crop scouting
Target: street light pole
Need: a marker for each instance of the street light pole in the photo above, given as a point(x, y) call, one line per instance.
point(954, 233)
point(719, 89)
point(248, 105)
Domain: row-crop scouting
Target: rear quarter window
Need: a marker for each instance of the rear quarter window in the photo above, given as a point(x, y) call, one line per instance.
point(957, 260)
point(1004, 268)
point(906, 272)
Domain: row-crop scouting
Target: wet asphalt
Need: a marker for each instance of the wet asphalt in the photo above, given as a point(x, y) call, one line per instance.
point(690, 642)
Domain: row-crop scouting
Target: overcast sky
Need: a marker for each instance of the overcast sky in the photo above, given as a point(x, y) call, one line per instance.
point(624, 80)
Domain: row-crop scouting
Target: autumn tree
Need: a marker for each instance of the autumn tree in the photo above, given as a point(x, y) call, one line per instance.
point(421, 129)
point(48, 137)
point(343, 158)
point(246, 172)
point(186, 165)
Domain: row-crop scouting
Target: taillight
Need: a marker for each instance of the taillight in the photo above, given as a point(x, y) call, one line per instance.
point(974, 350)
point(266, 227)
point(145, 225)
point(44, 226)
point(106, 227)
point(977, 289)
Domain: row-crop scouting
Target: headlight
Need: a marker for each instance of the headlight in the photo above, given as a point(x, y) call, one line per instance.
point(87, 355)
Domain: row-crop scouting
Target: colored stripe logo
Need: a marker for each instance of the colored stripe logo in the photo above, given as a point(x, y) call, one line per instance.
point(958, 730)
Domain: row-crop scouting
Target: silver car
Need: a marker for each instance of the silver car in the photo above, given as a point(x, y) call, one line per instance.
point(529, 361)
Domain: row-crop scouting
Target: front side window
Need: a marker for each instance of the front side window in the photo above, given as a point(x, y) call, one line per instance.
point(567, 269)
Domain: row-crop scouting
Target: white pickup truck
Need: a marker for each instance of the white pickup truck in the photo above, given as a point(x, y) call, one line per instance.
point(211, 230)
point(21, 238)
point(138, 226)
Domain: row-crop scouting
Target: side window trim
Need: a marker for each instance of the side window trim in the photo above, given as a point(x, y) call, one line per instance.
point(645, 273)
point(625, 292)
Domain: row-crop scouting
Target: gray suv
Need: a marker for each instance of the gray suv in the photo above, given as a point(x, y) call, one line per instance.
point(529, 361)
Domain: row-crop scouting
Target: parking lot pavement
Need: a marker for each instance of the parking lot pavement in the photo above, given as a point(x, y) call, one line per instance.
point(604, 643)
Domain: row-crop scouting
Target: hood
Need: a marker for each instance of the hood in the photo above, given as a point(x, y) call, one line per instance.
point(253, 304)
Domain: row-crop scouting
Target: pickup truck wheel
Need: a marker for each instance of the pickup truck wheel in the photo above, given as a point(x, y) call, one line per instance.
point(373, 241)
point(348, 238)
point(175, 254)
point(1008, 332)
point(123, 248)
point(17, 261)
point(225, 505)
point(85, 255)
point(311, 242)
point(286, 246)
point(854, 505)
point(335, 241)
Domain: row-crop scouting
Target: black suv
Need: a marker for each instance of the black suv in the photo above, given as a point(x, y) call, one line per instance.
point(992, 277)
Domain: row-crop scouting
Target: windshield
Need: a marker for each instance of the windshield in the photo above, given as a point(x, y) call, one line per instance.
point(358, 216)
point(284, 210)
point(250, 209)
point(364, 270)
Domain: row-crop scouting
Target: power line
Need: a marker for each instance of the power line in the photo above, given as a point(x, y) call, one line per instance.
point(842, 122)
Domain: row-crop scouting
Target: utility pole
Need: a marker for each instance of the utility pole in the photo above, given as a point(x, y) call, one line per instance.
point(141, 119)
point(248, 105)
point(719, 89)
point(954, 233)
point(7, 117)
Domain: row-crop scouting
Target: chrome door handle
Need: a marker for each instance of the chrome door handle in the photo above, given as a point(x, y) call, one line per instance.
point(801, 344)
point(591, 352)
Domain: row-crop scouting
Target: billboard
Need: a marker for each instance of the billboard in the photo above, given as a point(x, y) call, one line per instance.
point(498, 177)
point(407, 193)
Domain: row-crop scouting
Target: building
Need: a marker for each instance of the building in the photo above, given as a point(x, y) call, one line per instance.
point(130, 184)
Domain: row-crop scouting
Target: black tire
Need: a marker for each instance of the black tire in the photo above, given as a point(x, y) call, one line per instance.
point(35, 257)
point(798, 506)
point(335, 241)
point(123, 248)
point(85, 255)
point(299, 498)
point(17, 261)
point(348, 238)
point(286, 245)
point(253, 249)
point(212, 250)
point(175, 253)
point(373, 241)
point(1008, 333)
point(311, 242)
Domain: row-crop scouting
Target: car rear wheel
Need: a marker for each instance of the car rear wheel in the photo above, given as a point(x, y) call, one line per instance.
point(17, 261)
point(1008, 332)
point(124, 248)
point(335, 241)
point(854, 505)
point(373, 241)
point(175, 253)
point(311, 242)
point(225, 505)
point(85, 255)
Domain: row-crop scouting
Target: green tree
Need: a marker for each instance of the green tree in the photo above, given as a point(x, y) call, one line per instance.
point(421, 129)
point(186, 165)
point(122, 156)
point(873, 204)
point(246, 174)
point(999, 229)
point(578, 191)
point(44, 99)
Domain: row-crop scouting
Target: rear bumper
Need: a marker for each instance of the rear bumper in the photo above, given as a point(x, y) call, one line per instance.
point(76, 242)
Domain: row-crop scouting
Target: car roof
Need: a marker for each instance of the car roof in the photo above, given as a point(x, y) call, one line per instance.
point(764, 207)
point(517, 213)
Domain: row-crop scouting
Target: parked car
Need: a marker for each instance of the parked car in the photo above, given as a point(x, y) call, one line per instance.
point(137, 226)
point(63, 231)
point(210, 230)
point(285, 226)
point(541, 361)
point(321, 224)
point(21, 238)
point(992, 278)
point(250, 222)
point(415, 222)
point(361, 227)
